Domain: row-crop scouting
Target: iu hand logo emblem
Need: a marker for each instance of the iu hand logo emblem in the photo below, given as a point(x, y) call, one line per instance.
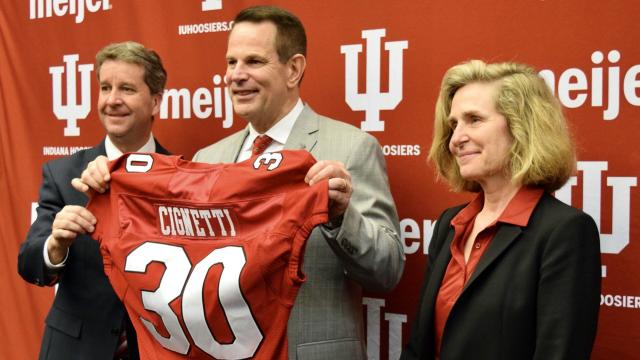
point(592, 176)
point(372, 101)
point(72, 111)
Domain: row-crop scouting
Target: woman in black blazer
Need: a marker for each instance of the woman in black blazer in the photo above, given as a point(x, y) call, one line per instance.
point(515, 274)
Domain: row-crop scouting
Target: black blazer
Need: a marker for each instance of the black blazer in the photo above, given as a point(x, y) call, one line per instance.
point(86, 317)
point(535, 293)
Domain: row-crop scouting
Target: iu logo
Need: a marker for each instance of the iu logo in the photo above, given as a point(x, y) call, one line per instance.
point(208, 5)
point(72, 111)
point(373, 100)
point(591, 202)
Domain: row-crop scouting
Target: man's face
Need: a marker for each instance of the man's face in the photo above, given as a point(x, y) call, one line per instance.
point(256, 77)
point(125, 103)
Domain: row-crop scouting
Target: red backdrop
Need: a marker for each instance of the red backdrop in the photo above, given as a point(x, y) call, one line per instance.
point(586, 49)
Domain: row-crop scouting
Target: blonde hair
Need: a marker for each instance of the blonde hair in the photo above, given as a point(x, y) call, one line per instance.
point(155, 76)
point(542, 153)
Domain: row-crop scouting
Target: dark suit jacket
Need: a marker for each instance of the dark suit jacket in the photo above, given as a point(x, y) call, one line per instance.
point(535, 293)
point(86, 317)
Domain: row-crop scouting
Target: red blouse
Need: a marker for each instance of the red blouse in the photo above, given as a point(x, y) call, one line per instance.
point(517, 212)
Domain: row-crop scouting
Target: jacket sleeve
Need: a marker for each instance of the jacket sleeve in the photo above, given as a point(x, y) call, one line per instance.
point(31, 265)
point(367, 241)
point(569, 290)
point(420, 344)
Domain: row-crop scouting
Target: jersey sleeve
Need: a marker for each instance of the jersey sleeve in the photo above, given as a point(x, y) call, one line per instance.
point(103, 205)
point(314, 206)
point(104, 209)
point(100, 206)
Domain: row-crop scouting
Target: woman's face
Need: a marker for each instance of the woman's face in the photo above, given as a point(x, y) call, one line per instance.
point(481, 139)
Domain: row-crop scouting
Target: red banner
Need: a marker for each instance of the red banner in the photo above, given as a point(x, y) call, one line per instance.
point(374, 64)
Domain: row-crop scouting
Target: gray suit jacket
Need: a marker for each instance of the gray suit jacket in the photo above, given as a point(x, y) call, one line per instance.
point(365, 252)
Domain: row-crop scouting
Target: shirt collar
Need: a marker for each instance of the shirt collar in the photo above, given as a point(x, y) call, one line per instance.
point(517, 212)
point(113, 152)
point(281, 130)
point(520, 208)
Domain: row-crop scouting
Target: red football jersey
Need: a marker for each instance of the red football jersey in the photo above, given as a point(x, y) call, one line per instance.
point(207, 258)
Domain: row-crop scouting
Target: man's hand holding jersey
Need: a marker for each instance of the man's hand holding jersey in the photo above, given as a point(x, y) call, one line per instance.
point(340, 188)
point(69, 222)
point(95, 178)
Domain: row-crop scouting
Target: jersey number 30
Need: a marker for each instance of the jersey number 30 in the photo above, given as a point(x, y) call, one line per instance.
point(247, 335)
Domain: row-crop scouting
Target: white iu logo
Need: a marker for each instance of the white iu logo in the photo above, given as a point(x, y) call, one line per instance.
point(211, 5)
point(72, 111)
point(591, 202)
point(372, 101)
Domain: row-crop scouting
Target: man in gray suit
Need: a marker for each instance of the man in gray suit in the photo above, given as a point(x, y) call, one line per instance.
point(360, 247)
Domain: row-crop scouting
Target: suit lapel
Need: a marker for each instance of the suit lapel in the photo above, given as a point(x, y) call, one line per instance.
point(93, 153)
point(89, 155)
point(438, 269)
point(160, 149)
point(304, 134)
point(506, 234)
point(229, 153)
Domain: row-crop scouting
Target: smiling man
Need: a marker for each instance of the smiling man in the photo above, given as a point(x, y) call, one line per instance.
point(87, 321)
point(359, 248)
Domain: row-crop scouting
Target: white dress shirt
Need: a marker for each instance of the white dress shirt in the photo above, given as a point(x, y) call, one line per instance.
point(279, 132)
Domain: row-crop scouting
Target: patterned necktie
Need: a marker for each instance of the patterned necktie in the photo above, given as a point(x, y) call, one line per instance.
point(260, 144)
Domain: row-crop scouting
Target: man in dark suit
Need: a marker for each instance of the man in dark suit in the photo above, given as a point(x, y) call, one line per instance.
point(87, 320)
